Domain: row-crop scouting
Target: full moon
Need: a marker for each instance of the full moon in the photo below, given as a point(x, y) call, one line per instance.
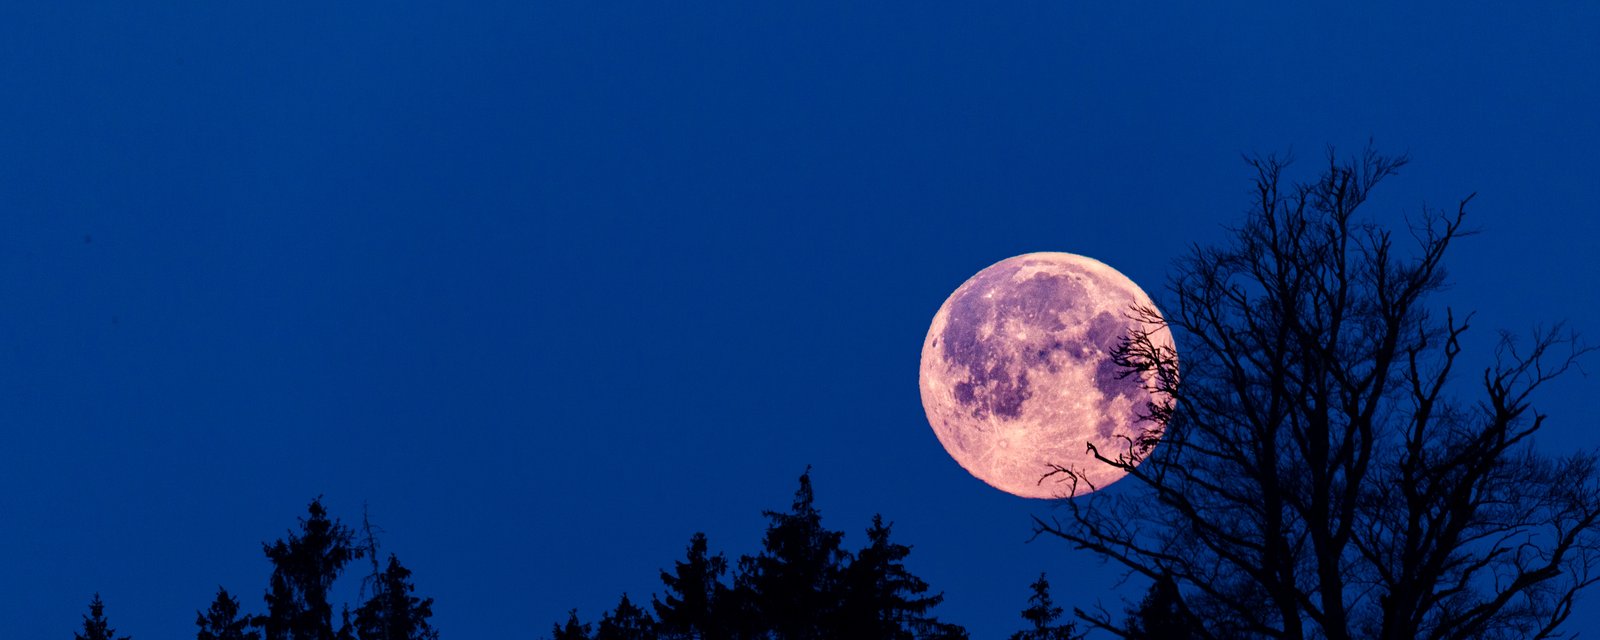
point(1017, 373)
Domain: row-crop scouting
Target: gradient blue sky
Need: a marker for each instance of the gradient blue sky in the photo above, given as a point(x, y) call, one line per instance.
point(552, 285)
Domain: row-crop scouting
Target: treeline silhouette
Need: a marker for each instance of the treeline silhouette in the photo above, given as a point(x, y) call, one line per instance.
point(305, 565)
point(1320, 475)
point(803, 585)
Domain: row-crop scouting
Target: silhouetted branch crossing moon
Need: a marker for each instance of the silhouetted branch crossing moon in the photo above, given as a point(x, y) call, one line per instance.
point(1017, 372)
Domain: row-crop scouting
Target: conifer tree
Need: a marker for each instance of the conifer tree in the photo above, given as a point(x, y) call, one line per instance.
point(882, 599)
point(95, 626)
point(627, 622)
point(935, 630)
point(1158, 617)
point(791, 589)
point(347, 628)
point(393, 613)
point(802, 586)
point(573, 630)
point(695, 596)
point(304, 568)
point(223, 621)
point(1042, 613)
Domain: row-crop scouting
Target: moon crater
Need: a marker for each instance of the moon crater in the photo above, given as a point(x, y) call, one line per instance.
point(1017, 372)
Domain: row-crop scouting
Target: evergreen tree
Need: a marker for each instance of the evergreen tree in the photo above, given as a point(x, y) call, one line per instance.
point(935, 630)
point(628, 622)
point(882, 599)
point(1043, 613)
point(95, 626)
point(347, 628)
point(304, 568)
point(695, 595)
point(802, 586)
point(573, 630)
point(791, 590)
point(223, 622)
point(393, 613)
point(1158, 617)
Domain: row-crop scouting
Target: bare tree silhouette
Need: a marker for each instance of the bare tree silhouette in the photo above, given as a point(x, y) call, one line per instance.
point(1318, 475)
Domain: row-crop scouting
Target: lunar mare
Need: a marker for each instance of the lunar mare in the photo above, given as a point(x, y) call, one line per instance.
point(1017, 373)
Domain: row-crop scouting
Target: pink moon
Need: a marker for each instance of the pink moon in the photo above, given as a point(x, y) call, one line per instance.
point(1017, 372)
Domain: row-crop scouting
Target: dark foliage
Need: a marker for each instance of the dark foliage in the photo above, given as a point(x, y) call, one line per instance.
point(572, 630)
point(1042, 613)
point(803, 585)
point(696, 596)
point(1158, 617)
point(95, 626)
point(882, 599)
point(1317, 474)
point(393, 613)
point(792, 587)
point(347, 627)
point(304, 568)
point(626, 622)
point(223, 621)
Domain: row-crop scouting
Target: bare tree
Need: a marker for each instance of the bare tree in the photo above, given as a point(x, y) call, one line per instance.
point(1317, 475)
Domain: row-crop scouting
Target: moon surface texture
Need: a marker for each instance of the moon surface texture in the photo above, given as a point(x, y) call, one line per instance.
point(1017, 372)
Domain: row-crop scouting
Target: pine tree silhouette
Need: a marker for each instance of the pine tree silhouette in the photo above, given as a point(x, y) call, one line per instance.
point(393, 613)
point(882, 599)
point(627, 622)
point(304, 568)
point(573, 630)
point(802, 586)
point(347, 627)
point(792, 587)
point(1043, 613)
point(1158, 617)
point(95, 626)
point(695, 596)
point(223, 621)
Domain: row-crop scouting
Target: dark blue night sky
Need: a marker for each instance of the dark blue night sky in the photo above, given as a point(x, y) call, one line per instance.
point(552, 285)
